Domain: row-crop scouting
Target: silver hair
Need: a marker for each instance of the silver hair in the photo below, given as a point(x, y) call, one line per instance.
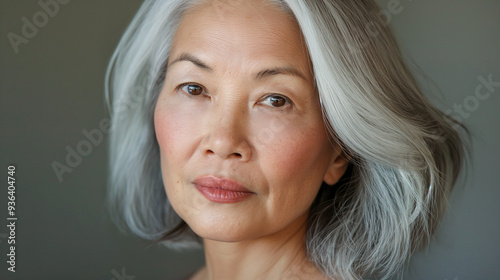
point(405, 154)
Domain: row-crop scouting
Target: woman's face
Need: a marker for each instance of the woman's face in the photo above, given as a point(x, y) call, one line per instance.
point(243, 145)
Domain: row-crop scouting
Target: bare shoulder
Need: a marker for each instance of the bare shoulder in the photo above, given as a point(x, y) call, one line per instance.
point(200, 274)
point(305, 271)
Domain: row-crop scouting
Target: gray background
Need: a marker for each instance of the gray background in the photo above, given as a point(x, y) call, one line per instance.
point(52, 89)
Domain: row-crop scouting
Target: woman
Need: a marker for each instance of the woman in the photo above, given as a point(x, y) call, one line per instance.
point(287, 137)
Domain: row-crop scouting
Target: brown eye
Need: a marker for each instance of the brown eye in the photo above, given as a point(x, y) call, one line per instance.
point(276, 100)
point(192, 89)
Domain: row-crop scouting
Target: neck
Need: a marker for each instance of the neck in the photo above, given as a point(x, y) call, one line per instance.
point(281, 255)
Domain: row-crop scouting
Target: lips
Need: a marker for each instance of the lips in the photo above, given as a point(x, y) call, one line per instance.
point(221, 190)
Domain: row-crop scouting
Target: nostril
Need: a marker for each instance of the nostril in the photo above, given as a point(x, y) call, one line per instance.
point(238, 155)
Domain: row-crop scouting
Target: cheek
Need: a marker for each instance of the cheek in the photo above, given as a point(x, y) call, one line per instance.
point(294, 160)
point(298, 159)
point(176, 132)
point(292, 145)
point(175, 127)
point(166, 129)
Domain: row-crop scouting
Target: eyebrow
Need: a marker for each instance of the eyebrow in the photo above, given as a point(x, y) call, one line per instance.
point(189, 57)
point(286, 70)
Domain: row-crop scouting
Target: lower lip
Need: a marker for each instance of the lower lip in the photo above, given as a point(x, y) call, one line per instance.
point(221, 195)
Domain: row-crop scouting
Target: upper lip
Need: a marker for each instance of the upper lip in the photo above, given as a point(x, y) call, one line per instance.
point(215, 182)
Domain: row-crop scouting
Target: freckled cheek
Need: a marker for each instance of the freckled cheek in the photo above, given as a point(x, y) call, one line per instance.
point(293, 185)
point(174, 129)
point(288, 144)
point(292, 160)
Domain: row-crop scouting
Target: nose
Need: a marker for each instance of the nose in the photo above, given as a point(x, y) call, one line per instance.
point(227, 135)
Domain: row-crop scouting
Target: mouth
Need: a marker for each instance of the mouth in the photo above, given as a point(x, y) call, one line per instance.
point(221, 190)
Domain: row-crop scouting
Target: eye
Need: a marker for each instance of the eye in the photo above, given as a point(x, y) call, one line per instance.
point(192, 89)
point(276, 100)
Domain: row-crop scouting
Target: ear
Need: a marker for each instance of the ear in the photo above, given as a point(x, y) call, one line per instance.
point(338, 165)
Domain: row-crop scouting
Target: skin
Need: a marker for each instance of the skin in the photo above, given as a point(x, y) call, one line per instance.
point(267, 133)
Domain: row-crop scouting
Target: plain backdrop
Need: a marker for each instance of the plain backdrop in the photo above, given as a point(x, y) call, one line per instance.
point(52, 90)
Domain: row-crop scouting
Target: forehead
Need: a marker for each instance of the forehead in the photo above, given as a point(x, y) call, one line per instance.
point(239, 32)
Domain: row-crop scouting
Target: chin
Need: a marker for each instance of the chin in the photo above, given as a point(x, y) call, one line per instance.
point(223, 231)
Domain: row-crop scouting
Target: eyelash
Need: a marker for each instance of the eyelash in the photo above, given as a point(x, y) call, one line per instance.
point(288, 102)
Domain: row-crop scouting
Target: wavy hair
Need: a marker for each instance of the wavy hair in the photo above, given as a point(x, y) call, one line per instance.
point(405, 155)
